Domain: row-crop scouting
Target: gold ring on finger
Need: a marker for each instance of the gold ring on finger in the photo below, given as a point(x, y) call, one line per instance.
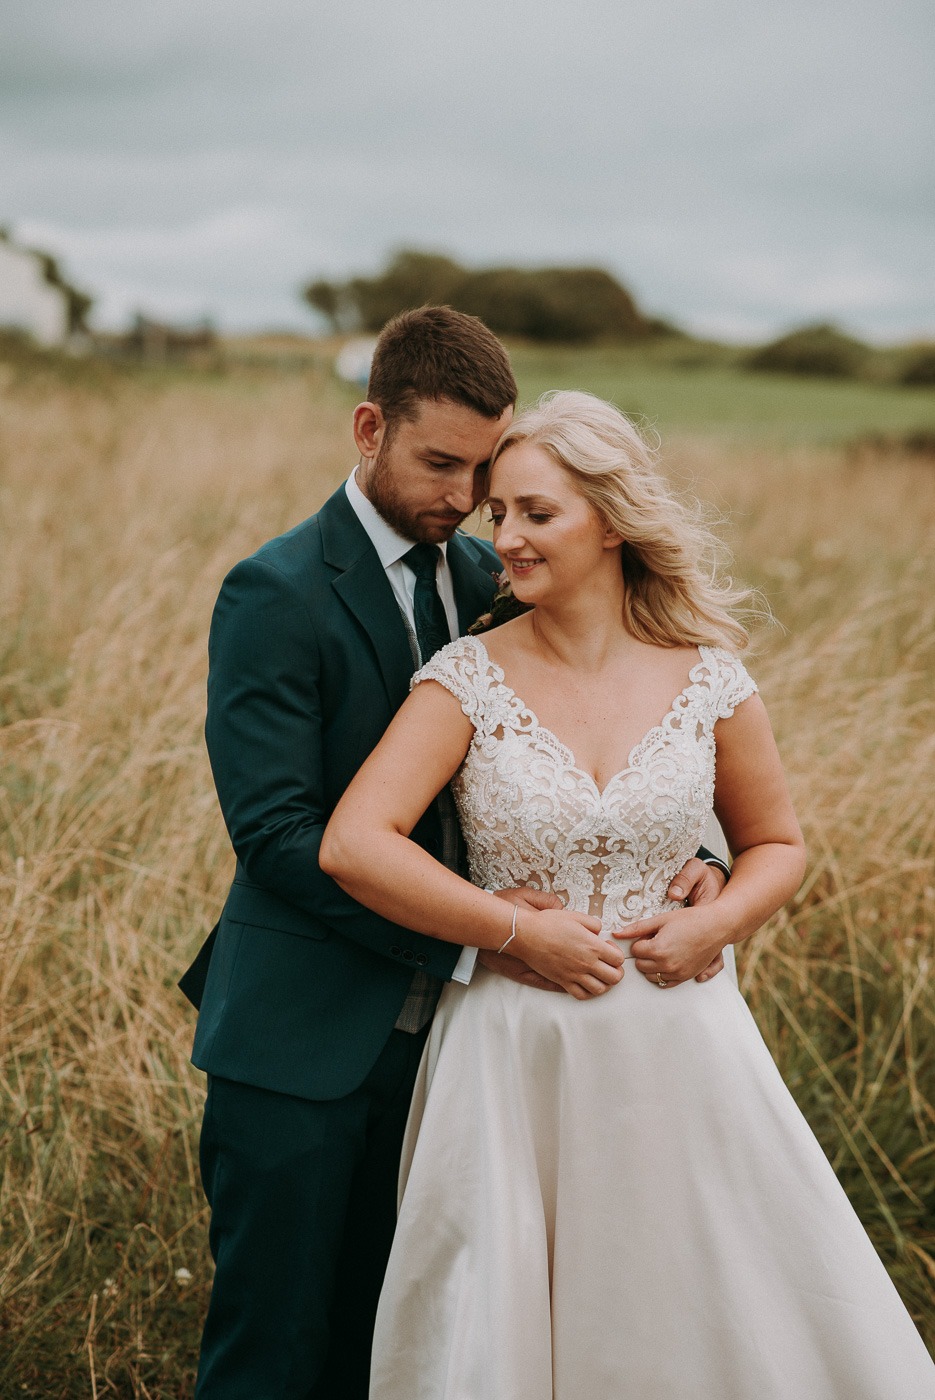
point(660, 980)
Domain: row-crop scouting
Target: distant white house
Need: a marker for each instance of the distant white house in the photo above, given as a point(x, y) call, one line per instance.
point(353, 360)
point(35, 298)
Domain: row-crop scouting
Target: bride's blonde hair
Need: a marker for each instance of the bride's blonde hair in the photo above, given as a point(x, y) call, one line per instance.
point(674, 595)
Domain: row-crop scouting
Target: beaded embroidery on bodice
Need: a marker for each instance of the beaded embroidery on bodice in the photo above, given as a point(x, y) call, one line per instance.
point(531, 817)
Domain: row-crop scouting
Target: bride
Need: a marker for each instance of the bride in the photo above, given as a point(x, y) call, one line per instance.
point(610, 1194)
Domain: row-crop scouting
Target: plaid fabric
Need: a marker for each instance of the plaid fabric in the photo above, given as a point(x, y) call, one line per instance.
point(419, 1006)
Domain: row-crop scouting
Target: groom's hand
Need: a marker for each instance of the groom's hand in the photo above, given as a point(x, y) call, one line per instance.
point(698, 883)
point(515, 968)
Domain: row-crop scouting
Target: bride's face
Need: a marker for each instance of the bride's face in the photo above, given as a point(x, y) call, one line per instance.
point(549, 537)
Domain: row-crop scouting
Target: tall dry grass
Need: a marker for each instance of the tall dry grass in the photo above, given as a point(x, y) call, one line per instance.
point(123, 504)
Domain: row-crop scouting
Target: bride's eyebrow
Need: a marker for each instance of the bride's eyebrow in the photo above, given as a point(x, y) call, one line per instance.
point(537, 501)
point(524, 501)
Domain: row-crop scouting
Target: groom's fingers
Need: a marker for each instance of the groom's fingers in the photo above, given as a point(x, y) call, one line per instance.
point(533, 899)
point(708, 887)
point(712, 969)
point(696, 882)
point(542, 984)
point(516, 970)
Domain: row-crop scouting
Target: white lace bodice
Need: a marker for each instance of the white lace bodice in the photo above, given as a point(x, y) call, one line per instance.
point(531, 817)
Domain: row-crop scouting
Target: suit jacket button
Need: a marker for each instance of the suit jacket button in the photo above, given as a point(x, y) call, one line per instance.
point(408, 954)
point(421, 959)
point(396, 951)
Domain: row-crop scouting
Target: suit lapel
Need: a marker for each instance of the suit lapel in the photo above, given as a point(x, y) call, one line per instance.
point(364, 589)
point(473, 582)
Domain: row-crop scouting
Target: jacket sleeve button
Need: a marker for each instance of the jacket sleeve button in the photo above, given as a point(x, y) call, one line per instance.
point(396, 951)
point(421, 959)
point(408, 954)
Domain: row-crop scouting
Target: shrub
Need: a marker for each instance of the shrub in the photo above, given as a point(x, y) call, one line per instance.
point(548, 304)
point(919, 368)
point(410, 279)
point(820, 350)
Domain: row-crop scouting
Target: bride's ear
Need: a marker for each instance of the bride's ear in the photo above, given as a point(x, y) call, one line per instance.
point(612, 538)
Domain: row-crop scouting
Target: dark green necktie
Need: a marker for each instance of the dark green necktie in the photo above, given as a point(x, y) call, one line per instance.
point(430, 618)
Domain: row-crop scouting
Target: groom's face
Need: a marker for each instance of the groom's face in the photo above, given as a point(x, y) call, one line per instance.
point(425, 474)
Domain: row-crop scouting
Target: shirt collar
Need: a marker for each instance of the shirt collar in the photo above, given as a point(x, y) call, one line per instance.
point(389, 543)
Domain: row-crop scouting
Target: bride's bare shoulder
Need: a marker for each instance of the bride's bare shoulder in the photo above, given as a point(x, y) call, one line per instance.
point(510, 639)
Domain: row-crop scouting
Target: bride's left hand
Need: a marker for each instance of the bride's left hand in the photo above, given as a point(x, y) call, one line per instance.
point(678, 944)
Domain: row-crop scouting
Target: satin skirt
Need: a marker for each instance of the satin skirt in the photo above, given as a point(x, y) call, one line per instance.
point(618, 1199)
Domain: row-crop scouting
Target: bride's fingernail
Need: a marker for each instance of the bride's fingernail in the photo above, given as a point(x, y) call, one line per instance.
point(677, 892)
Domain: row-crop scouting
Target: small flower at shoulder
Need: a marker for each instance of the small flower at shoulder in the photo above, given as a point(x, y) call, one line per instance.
point(504, 608)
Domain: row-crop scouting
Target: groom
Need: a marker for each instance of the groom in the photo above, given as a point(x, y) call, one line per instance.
point(313, 1011)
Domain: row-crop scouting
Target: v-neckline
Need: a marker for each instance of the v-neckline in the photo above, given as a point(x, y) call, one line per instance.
point(572, 763)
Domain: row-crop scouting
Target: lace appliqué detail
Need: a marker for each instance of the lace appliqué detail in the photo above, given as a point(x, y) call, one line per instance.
point(531, 817)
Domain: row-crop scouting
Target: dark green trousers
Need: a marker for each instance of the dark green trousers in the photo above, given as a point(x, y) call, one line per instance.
point(303, 1207)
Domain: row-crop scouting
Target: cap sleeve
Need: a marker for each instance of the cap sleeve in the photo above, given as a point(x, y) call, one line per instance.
point(458, 668)
point(735, 684)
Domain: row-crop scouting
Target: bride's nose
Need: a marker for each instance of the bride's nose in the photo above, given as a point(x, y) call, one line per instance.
point(507, 535)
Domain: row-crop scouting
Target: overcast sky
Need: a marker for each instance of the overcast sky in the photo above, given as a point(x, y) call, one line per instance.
point(742, 165)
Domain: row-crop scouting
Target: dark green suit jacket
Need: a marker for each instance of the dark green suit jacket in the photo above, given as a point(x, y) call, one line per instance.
point(299, 986)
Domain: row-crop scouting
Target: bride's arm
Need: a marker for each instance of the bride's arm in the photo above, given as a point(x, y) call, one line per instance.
point(366, 849)
point(752, 803)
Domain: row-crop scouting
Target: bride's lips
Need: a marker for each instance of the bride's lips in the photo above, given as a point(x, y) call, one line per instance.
point(523, 566)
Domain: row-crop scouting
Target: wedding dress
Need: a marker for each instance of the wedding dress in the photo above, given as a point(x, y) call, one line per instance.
point(617, 1199)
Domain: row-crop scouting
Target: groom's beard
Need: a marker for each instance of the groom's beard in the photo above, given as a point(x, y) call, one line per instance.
point(423, 527)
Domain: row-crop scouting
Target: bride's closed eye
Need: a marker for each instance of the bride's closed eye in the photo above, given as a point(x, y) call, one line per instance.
point(537, 517)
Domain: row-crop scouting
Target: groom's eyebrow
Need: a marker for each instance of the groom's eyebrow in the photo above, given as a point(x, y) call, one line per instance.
point(437, 454)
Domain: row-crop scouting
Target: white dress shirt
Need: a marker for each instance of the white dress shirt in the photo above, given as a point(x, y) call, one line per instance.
point(390, 547)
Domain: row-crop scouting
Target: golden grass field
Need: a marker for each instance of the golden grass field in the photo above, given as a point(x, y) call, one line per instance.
point(124, 500)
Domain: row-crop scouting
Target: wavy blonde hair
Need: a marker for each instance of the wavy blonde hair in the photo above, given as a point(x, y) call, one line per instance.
point(675, 593)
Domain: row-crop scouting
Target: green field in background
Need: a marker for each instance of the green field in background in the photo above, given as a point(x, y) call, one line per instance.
point(726, 401)
point(676, 386)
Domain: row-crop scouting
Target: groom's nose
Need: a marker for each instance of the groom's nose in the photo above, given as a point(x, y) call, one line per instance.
point(460, 494)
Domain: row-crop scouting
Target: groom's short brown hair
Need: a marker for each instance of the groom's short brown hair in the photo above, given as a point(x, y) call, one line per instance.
point(438, 353)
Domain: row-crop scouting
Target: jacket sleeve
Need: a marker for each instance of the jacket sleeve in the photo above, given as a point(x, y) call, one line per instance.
point(264, 737)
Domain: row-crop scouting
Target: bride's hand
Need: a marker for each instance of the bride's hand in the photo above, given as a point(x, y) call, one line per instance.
point(514, 968)
point(564, 948)
point(676, 945)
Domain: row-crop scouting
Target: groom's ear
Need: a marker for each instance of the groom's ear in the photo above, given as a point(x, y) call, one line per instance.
point(369, 428)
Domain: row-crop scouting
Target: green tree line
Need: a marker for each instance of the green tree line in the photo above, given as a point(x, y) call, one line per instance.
point(548, 304)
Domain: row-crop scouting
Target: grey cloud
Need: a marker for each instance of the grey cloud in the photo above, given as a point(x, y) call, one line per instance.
point(737, 163)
